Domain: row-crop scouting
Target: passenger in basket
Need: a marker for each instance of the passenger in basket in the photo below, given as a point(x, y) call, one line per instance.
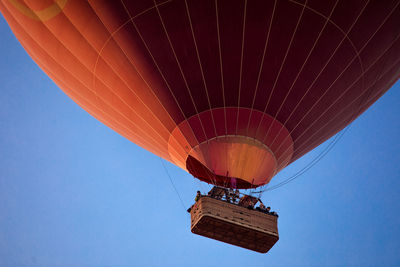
point(268, 210)
point(236, 196)
point(261, 207)
point(198, 196)
point(275, 214)
point(228, 194)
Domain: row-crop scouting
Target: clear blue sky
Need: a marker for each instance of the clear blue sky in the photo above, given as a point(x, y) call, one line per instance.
point(75, 193)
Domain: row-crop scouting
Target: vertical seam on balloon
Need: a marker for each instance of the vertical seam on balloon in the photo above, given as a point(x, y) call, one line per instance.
point(240, 73)
point(299, 72)
point(201, 67)
point(320, 140)
point(241, 64)
point(73, 92)
point(42, 22)
point(281, 67)
point(211, 178)
point(365, 104)
point(134, 66)
point(339, 28)
point(205, 86)
point(180, 68)
point(76, 92)
point(261, 65)
point(94, 107)
point(323, 139)
point(354, 100)
point(278, 75)
point(164, 81)
point(222, 75)
point(110, 89)
point(348, 65)
point(221, 65)
point(326, 64)
point(148, 50)
point(349, 87)
point(159, 70)
point(345, 36)
point(131, 20)
point(86, 86)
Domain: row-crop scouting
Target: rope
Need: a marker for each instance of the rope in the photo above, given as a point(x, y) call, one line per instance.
point(172, 183)
point(309, 165)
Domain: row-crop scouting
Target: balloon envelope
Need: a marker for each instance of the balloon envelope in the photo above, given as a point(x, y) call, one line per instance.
point(230, 90)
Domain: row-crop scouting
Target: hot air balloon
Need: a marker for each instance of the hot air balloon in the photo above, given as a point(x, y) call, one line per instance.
point(232, 91)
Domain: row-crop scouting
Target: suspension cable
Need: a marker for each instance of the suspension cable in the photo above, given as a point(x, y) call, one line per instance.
point(309, 165)
point(172, 183)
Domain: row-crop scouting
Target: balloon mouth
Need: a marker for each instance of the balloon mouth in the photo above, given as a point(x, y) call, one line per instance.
point(232, 147)
point(201, 172)
point(232, 161)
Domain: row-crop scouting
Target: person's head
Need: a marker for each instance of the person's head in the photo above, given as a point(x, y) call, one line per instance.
point(268, 208)
point(198, 192)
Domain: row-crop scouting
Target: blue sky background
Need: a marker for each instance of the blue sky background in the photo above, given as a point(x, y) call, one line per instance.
point(75, 193)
